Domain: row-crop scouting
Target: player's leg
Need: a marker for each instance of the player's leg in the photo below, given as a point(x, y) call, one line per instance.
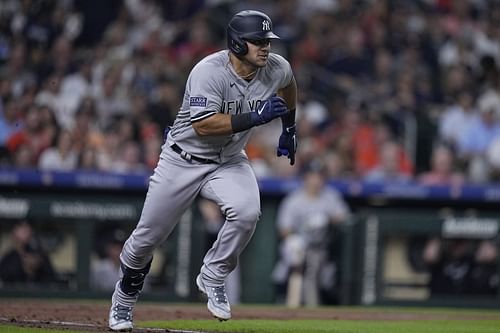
point(234, 188)
point(168, 196)
point(293, 253)
point(315, 259)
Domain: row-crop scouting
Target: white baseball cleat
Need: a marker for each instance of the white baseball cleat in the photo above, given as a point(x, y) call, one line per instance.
point(120, 316)
point(217, 302)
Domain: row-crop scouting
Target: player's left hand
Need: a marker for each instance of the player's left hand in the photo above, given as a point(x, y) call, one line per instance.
point(287, 145)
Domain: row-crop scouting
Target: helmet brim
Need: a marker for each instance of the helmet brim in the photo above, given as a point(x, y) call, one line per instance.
point(260, 35)
point(272, 35)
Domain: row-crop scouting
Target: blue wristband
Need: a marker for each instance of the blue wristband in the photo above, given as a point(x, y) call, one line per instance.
point(243, 121)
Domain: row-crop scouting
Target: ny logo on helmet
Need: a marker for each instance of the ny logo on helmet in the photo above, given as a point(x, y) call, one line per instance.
point(266, 25)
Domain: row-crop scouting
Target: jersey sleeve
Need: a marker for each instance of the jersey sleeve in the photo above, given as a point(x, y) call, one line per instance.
point(287, 214)
point(204, 93)
point(337, 207)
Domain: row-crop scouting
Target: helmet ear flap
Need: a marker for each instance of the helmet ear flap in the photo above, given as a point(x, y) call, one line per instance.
point(235, 43)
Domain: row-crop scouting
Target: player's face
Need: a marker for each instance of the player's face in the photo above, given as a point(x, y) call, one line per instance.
point(258, 52)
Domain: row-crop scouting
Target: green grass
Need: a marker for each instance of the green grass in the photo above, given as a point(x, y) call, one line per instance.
point(333, 326)
point(468, 321)
point(306, 326)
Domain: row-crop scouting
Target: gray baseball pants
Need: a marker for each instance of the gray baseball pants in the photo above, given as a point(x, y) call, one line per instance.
point(173, 187)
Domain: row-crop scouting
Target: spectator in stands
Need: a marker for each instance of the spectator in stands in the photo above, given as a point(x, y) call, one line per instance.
point(368, 140)
point(50, 96)
point(16, 69)
point(24, 157)
point(61, 157)
point(493, 160)
point(127, 129)
point(429, 57)
point(152, 146)
point(36, 134)
point(10, 119)
point(110, 148)
point(443, 169)
point(129, 159)
point(61, 58)
point(86, 131)
point(479, 135)
point(26, 260)
point(303, 221)
point(335, 168)
point(455, 119)
point(387, 169)
point(111, 98)
point(164, 103)
point(75, 87)
point(350, 62)
point(88, 159)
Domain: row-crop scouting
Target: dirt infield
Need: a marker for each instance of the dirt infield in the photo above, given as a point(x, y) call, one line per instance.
point(92, 316)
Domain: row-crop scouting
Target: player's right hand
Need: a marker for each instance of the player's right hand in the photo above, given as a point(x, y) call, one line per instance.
point(271, 108)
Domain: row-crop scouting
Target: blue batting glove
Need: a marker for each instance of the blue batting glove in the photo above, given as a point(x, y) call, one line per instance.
point(269, 109)
point(287, 145)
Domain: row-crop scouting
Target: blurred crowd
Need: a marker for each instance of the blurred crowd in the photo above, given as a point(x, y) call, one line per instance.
point(394, 90)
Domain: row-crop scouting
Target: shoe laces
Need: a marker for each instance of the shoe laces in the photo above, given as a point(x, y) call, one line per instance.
point(220, 294)
point(122, 312)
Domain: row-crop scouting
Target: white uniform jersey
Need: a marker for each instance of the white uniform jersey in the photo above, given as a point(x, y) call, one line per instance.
point(214, 87)
point(302, 214)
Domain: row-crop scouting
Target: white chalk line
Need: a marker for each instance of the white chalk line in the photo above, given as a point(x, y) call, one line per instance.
point(76, 325)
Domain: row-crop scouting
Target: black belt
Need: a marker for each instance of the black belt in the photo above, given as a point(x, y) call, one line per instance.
point(188, 157)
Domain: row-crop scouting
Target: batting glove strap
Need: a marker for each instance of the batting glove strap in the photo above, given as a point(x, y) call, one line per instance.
point(290, 130)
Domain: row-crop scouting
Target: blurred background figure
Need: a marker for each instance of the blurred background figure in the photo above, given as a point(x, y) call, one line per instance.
point(426, 77)
point(478, 136)
point(462, 266)
point(304, 222)
point(388, 167)
point(25, 261)
point(60, 157)
point(485, 275)
point(442, 170)
point(455, 118)
point(105, 271)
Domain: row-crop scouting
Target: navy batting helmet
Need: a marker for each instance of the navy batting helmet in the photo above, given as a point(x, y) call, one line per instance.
point(248, 25)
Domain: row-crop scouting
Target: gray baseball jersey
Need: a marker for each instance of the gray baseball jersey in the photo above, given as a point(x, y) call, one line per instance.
point(301, 214)
point(212, 87)
point(307, 218)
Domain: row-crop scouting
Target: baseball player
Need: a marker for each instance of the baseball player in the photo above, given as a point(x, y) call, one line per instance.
point(227, 94)
point(303, 221)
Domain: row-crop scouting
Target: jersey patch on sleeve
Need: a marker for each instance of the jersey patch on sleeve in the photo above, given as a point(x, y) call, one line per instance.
point(198, 101)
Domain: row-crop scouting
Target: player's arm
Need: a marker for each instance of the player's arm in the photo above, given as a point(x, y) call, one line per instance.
point(289, 94)
point(287, 145)
point(217, 124)
point(224, 124)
